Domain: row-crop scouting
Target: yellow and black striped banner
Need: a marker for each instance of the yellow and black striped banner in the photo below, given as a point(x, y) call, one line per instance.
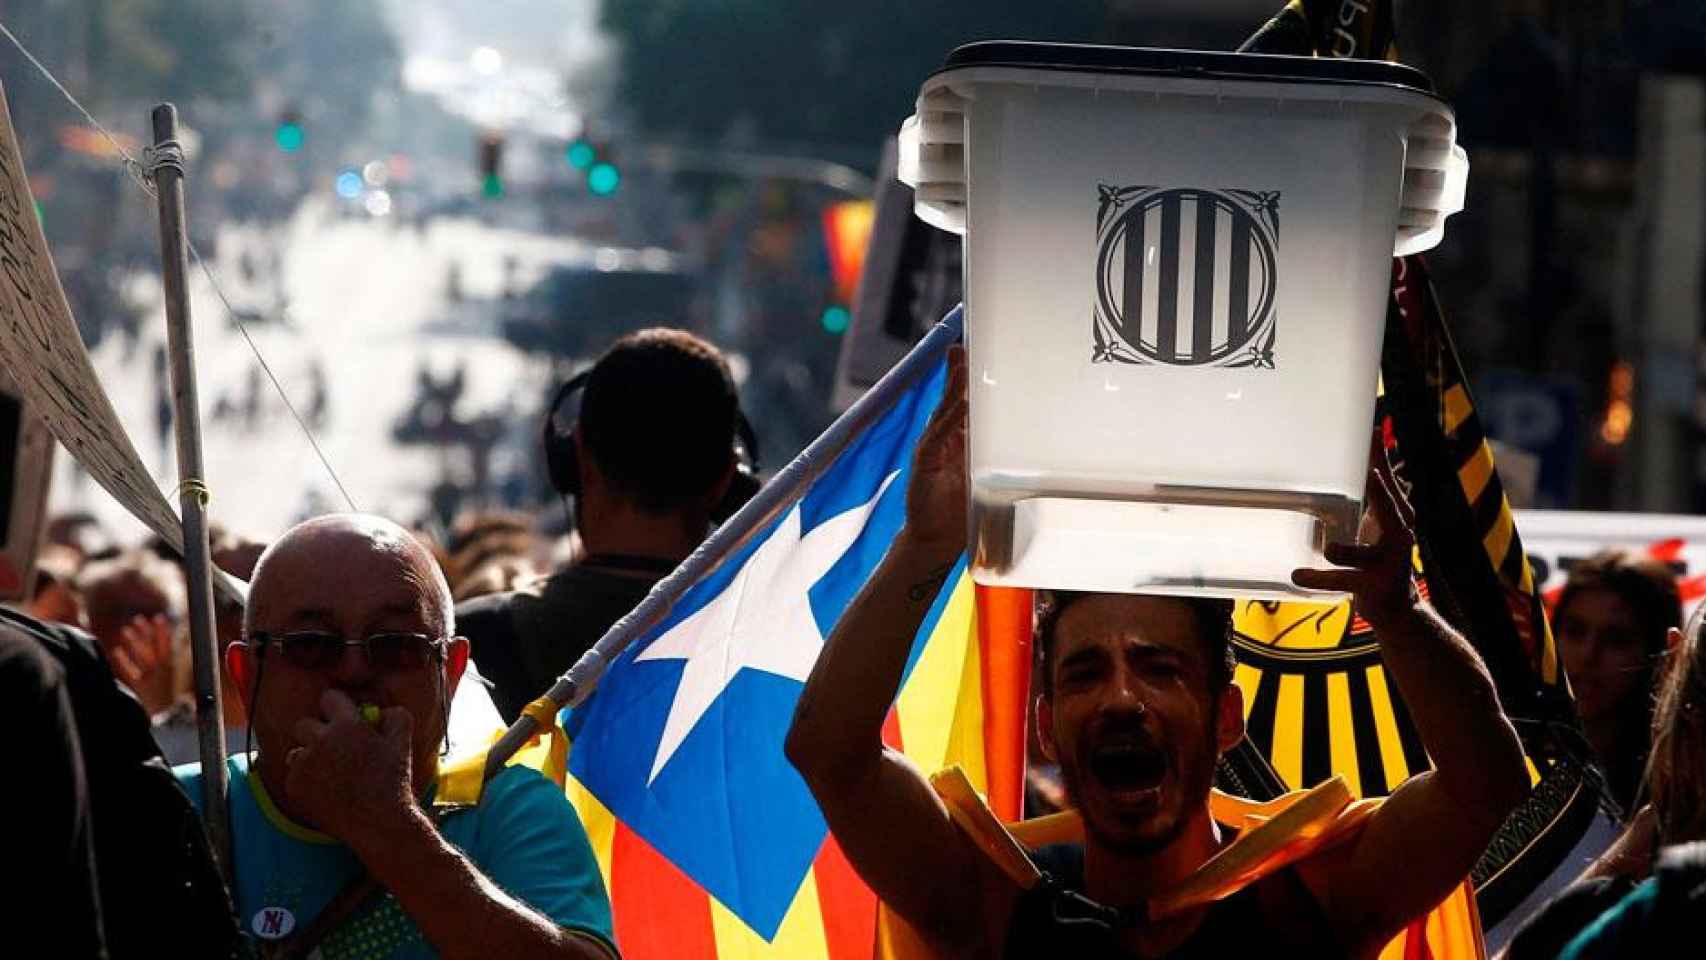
point(1318, 700)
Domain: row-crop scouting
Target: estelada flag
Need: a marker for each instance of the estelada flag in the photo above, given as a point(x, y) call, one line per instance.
point(709, 842)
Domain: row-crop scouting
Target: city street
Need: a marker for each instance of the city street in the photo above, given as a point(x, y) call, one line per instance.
point(367, 305)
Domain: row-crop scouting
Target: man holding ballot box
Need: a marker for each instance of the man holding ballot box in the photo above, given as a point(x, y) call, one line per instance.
point(1137, 705)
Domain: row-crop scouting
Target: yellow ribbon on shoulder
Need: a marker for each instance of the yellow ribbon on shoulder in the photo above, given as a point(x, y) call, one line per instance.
point(461, 781)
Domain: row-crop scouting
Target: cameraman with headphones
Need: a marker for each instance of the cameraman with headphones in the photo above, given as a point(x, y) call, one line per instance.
point(658, 452)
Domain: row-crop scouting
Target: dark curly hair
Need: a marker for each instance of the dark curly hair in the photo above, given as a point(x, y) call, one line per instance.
point(658, 417)
point(1213, 616)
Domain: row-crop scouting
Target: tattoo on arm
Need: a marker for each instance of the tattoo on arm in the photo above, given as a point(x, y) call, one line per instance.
point(927, 588)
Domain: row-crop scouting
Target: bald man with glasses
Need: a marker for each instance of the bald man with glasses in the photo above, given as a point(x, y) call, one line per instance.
point(347, 669)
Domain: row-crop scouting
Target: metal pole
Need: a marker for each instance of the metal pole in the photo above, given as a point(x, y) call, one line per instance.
point(778, 495)
point(168, 173)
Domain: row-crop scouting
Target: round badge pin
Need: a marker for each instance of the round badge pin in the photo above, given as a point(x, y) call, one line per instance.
point(273, 923)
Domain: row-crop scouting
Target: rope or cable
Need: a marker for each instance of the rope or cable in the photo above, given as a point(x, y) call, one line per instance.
point(166, 153)
point(197, 488)
point(171, 154)
point(136, 170)
point(294, 415)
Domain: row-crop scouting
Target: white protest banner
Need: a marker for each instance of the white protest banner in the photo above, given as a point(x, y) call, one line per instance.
point(1557, 539)
point(40, 345)
point(26, 463)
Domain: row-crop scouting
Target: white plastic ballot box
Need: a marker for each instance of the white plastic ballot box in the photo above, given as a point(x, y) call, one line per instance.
point(1177, 268)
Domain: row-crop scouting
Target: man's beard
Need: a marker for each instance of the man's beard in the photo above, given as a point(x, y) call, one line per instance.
point(1157, 834)
point(1186, 788)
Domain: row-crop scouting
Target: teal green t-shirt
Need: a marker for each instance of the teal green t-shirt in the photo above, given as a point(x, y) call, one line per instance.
point(523, 835)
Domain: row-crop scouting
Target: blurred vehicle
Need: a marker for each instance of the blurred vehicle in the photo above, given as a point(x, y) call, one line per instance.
point(574, 311)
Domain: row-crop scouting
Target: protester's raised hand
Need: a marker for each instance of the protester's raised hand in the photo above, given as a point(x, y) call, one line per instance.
point(142, 660)
point(936, 496)
point(347, 777)
point(1377, 572)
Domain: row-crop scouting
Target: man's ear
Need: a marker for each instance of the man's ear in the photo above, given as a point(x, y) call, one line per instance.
point(455, 662)
point(1229, 723)
point(240, 661)
point(720, 489)
point(589, 474)
point(1045, 729)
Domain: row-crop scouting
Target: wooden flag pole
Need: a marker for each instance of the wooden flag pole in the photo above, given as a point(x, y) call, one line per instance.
point(167, 170)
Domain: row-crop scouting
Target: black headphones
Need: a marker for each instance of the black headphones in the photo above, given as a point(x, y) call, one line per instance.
point(562, 460)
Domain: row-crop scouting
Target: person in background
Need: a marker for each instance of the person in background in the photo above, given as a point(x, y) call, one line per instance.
point(505, 574)
point(152, 859)
point(135, 602)
point(1611, 620)
point(1661, 917)
point(1632, 891)
point(55, 597)
point(175, 727)
point(82, 534)
point(492, 553)
point(347, 667)
point(648, 460)
point(51, 853)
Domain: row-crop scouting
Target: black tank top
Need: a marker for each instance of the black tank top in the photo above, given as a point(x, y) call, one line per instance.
point(1275, 917)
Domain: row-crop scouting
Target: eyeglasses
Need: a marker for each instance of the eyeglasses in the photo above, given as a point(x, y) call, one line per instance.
point(321, 650)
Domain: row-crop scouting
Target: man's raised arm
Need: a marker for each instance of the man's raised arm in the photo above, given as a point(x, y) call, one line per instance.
point(884, 813)
point(1424, 839)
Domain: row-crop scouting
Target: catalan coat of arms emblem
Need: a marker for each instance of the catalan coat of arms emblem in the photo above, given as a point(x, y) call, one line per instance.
point(1186, 276)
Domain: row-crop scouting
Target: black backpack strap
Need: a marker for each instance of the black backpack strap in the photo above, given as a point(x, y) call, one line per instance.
point(1053, 918)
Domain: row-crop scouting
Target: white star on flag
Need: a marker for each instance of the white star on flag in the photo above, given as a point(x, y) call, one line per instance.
point(761, 620)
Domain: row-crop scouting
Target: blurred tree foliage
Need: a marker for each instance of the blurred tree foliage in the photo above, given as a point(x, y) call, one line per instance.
point(330, 58)
point(827, 74)
point(119, 50)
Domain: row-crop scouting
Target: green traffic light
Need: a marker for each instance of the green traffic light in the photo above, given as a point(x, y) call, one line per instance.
point(492, 186)
point(603, 179)
point(836, 319)
point(580, 155)
point(289, 137)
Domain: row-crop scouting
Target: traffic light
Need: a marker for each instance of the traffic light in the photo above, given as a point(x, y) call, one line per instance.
point(846, 235)
point(603, 179)
point(598, 162)
point(836, 319)
point(289, 134)
point(491, 165)
point(581, 154)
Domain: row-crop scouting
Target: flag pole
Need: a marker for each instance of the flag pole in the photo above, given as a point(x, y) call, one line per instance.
point(776, 496)
point(167, 170)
